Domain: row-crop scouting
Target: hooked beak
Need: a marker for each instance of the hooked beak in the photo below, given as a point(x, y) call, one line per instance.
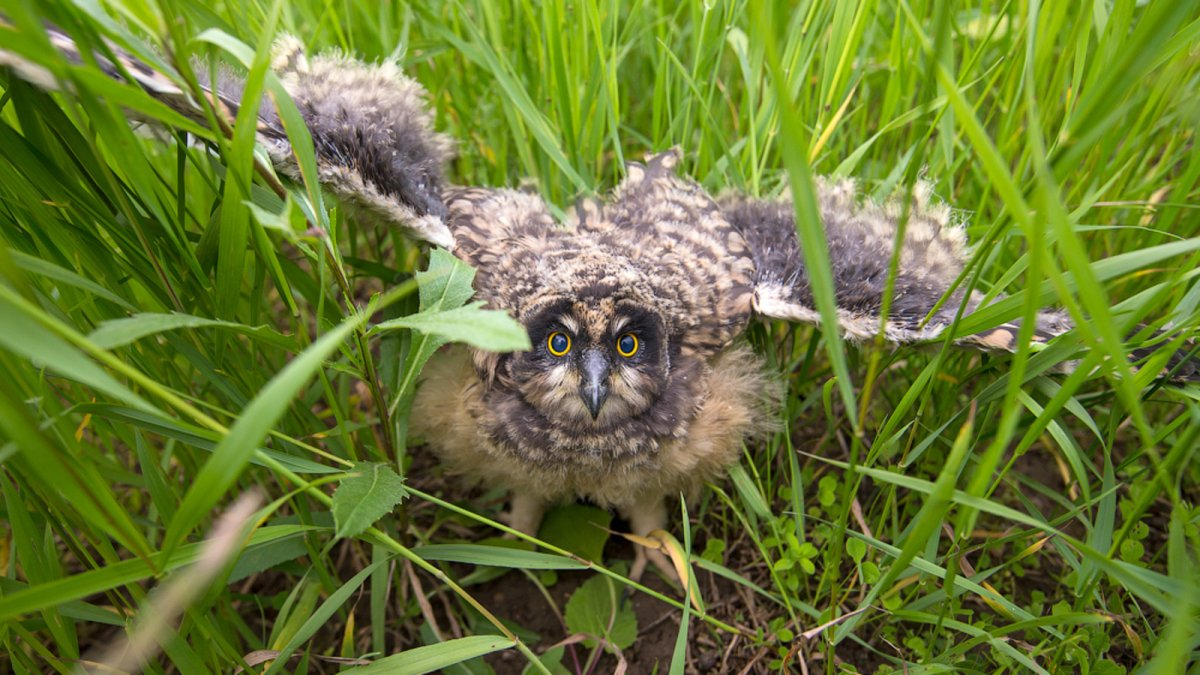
point(595, 381)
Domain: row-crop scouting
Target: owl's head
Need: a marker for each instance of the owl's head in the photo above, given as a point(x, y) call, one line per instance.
point(620, 321)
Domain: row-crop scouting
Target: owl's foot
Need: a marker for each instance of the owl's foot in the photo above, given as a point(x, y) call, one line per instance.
point(645, 516)
point(642, 555)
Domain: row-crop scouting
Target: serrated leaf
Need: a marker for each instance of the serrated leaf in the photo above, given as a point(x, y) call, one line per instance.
point(444, 288)
point(596, 609)
point(492, 330)
point(368, 492)
point(446, 283)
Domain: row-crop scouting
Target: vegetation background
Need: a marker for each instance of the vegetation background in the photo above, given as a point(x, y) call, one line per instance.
point(177, 332)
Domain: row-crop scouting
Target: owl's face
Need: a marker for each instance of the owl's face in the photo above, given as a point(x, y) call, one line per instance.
point(596, 362)
point(609, 376)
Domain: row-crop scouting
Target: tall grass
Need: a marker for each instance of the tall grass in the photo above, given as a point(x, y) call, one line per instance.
point(175, 334)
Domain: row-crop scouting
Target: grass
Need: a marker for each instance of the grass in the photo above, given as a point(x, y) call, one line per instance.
point(983, 514)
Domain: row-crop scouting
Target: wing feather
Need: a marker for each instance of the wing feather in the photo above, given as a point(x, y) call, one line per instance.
point(372, 132)
point(861, 237)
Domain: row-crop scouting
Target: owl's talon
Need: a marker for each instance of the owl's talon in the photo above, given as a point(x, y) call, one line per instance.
point(645, 516)
point(642, 555)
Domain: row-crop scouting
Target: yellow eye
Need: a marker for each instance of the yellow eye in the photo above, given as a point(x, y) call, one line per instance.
point(558, 343)
point(627, 345)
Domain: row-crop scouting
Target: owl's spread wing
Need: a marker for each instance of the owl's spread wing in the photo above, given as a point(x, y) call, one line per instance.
point(860, 236)
point(372, 133)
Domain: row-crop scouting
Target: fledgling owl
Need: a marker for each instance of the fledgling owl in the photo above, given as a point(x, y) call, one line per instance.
point(638, 385)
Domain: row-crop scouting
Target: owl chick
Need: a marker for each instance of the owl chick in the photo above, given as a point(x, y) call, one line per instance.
point(637, 387)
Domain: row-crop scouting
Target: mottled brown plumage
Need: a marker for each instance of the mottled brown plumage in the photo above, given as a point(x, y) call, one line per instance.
point(637, 387)
point(658, 261)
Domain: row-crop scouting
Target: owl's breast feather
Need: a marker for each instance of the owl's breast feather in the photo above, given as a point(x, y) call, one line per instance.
point(734, 399)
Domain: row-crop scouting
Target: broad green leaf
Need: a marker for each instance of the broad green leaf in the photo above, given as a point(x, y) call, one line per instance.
point(367, 493)
point(599, 608)
point(580, 529)
point(434, 657)
point(492, 330)
point(444, 285)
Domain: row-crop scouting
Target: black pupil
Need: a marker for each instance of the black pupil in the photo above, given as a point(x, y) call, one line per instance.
point(627, 344)
point(558, 342)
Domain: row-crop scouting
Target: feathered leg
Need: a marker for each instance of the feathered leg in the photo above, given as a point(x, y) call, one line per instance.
point(526, 511)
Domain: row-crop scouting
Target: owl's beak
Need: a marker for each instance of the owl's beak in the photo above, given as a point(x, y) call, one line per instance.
point(595, 381)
